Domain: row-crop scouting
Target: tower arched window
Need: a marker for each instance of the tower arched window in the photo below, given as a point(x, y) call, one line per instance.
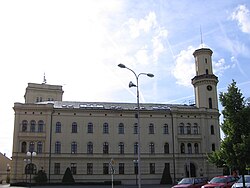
point(182, 148)
point(166, 148)
point(210, 104)
point(24, 125)
point(40, 126)
point(213, 147)
point(212, 130)
point(32, 126)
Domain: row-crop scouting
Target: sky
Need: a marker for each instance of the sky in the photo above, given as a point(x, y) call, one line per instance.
point(78, 44)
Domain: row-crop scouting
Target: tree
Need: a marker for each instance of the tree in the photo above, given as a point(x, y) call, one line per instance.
point(68, 177)
point(235, 147)
point(41, 177)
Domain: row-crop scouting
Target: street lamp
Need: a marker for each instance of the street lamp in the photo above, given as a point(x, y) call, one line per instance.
point(131, 84)
point(31, 154)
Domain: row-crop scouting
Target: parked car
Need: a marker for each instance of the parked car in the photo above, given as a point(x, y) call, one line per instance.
point(239, 183)
point(221, 182)
point(191, 183)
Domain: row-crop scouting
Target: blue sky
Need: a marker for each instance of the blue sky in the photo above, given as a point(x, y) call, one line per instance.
point(78, 44)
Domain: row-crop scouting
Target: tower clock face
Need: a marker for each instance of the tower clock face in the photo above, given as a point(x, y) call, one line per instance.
point(209, 88)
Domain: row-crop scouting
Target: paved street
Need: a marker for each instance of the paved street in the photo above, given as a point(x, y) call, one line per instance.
point(93, 186)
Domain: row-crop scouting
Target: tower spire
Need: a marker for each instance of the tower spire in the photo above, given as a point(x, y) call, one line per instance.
point(202, 44)
point(44, 79)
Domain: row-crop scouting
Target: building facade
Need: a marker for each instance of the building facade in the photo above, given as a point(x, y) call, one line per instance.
point(88, 136)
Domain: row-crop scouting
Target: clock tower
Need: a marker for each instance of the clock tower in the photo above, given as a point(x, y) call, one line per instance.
point(205, 82)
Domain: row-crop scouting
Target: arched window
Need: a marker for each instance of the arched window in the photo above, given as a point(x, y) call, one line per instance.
point(196, 148)
point(213, 147)
point(74, 127)
point(24, 125)
point(30, 169)
point(210, 103)
point(181, 128)
point(32, 147)
point(105, 128)
point(105, 148)
point(58, 147)
point(151, 128)
point(24, 147)
point(73, 147)
point(166, 148)
point(58, 127)
point(90, 127)
point(32, 126)
point(182, 148)
point(39, 147)
point(151, 148)
point(188, 128)
point(165, 129)
point(212, 130)
point(189, 148)
point(135, 128)
point(195, 128)
point(136, 148)
point(90, 148)
point(40, 126)
point(121, 128)
point(121, 148)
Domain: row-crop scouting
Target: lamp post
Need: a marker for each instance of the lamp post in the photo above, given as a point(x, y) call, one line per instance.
point(131, 84)
point(31, 166)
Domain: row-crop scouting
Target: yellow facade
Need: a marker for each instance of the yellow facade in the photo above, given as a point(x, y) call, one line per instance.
point(86, 136)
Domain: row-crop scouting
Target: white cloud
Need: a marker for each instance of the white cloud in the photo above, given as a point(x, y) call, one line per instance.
point(242, 16)
point(184, 69)
point(220, 66)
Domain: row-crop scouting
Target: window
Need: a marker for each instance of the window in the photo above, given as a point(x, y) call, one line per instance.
point(166, 148)
point(165, 129)
point(40, 126)
point(39, 147)
point(152, 168)
point(24, 147)
point(32, 126)
point(135, 166)
point(181, 128)
point(24, 125)
point(135, 128)
point(213, 147)
point(121, 148)
point(105, 148)
point(182, 148)
point(89, 168)
point(210, 103)
point(105, 128)
point(189, 148)
point(212, 130)
point(57, 168)
point(105, 168)
point(121, 128)
point(196, 148)
point(32, 147)
point(151, 148)
point(188, 128)
point(151, 128)
point(58, 147)
point(206, 71)
point(74, 127)
point(30, 168)
point(58, 127)
point(195, 128)
point(136, 148)
point(73, 147)
point(121, 168)
point(73, 168)
point(90, 127)
point(90, 148)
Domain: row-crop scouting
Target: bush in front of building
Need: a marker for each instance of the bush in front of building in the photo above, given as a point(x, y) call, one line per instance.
point(68, 177)
point(41, 177)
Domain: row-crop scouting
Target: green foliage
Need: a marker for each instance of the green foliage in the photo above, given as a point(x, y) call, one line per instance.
point(68, 177)
point(235, 148)
point(41, 177)
point(166, 177)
